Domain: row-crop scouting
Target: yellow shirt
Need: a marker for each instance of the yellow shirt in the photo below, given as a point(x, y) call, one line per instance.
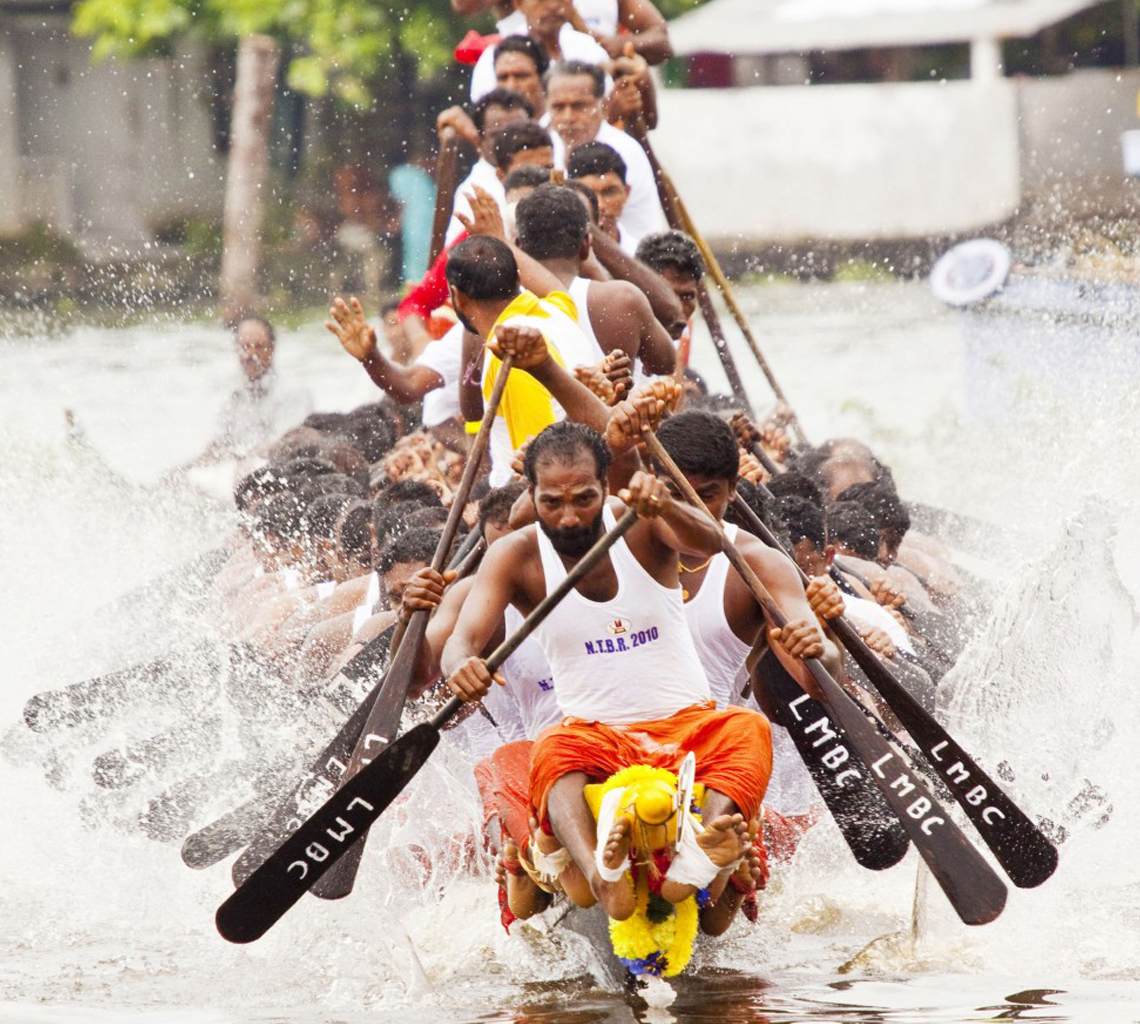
point(527, 408)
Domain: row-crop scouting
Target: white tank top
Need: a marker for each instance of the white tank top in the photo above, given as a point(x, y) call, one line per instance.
point(721, 651)
point(364, 610)
point(579, 291)
point(530, 688)
point(600, 16)
point(629, 659)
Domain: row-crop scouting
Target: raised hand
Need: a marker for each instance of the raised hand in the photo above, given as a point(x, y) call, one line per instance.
point(646, 495)
point(424, 591)
point(618, 367)
point(595, 379)
point(526, 344)
point(631, 418)
point(351, 328)
point(824, 597)
point(887, 594)
point(486, 217)
point(879, 642)
point(745, 429)
point(456, 119)
point(472, 680)
point(665, 390)
point(799, 639)
point(752, 470)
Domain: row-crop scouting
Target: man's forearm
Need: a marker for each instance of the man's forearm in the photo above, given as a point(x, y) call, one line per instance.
point(404, 384)
point(580, 403)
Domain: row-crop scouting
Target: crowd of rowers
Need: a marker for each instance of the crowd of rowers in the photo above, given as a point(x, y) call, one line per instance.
point(662, 649)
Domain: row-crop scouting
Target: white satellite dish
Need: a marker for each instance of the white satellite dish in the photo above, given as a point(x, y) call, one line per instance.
point(970, 272)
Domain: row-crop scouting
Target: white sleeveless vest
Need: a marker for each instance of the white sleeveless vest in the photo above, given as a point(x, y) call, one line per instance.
point(629, 659)
point(721, 651)
point(579, 290)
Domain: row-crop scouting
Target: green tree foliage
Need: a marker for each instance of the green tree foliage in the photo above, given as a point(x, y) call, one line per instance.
point(337, 47)
point(671, 8)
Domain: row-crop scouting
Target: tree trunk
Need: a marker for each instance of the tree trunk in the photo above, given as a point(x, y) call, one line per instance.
point(247, 173)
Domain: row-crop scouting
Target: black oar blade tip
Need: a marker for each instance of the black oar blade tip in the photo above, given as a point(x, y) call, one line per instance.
point(1030, 876)
point(239, 931)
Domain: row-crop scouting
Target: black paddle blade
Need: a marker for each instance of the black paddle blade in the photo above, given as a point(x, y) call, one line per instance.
point(1026, 856)
point(382, 725)
point(973, 888)
point(263, 899)
point(869, 826)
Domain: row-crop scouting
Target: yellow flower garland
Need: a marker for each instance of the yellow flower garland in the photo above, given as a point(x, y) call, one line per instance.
point(669, 942)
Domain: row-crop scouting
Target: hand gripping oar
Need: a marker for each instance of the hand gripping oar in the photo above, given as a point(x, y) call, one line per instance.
point(975, 891)
point(1017, 843)
point(317, 845)
point(445, 176)
point(384, 719)
point(685, 223)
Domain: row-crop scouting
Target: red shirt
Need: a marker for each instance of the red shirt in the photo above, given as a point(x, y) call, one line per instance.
point(431, 292)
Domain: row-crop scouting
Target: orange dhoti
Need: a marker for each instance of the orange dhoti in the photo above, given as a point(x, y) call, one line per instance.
point(502, 781)
point(733, 749)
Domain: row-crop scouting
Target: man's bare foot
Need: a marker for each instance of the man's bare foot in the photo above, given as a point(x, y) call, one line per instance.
point(724, 839)
point(616, 898)
point(571, 881)
point(524, 897)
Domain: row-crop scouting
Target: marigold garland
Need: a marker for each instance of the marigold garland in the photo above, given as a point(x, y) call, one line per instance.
point(644, 947)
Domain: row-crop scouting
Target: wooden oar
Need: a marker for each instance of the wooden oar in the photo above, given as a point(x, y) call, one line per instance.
point(670, 203)
point(263, 831)
point(864, 818)
point(322, 840)
point(384, 720)
point(445, 175)
point(685, 223)
point(975, 891)
point(102, 696)
point(1019, 845)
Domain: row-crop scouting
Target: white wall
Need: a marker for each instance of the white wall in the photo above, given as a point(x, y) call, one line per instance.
point(110, 149)
point(1070, 130)
point(842, 162)
point(9, 143)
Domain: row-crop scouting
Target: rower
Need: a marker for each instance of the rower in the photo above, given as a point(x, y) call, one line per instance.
point(553, 229)
point(486, 297)
point(615, 24)
point(626, 672)
point(675, 256)
point(602, 170)
point(547, 22)
point(575, 92)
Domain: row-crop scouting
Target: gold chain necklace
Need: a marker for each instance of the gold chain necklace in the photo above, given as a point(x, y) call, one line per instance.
point(685, 595)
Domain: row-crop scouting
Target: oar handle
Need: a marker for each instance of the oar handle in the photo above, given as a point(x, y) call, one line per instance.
point(545, 607)
point(445, 175)
point(678, 216)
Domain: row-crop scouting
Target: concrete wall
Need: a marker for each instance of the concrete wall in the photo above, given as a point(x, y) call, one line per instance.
point(890, 161)
point(10, 216)
point(106, 151)
point(842, 162)
point(1070, 137)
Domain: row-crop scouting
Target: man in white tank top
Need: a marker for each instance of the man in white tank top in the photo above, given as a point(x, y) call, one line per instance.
point(727, 623)
point(626, 673)
point(554, 230)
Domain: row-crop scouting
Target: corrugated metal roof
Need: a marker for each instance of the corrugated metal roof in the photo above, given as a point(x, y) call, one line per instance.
point(752, 27)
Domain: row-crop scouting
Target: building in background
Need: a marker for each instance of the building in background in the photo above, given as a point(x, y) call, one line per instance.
point(851, 120)
point(100, 154)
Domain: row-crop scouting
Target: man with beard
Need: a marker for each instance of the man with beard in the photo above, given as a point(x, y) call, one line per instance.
point(575, 94)
point(626, 672)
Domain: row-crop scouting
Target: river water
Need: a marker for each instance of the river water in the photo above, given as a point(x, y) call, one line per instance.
point(99, 923)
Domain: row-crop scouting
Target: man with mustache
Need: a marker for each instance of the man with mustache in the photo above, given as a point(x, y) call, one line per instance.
point(626, 672)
